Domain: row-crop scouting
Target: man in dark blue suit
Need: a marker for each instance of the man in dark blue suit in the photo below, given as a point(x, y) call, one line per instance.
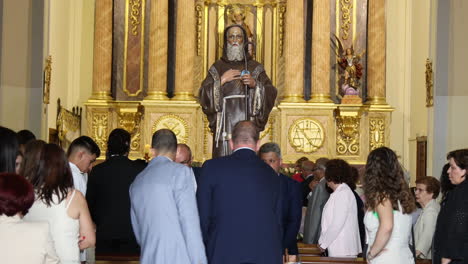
point(238, 198)
point(291, 202)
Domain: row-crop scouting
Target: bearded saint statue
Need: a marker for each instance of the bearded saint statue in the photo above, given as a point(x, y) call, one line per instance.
point(222, 94)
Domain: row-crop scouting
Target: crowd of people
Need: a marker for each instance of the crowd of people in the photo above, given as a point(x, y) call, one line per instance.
point(239, 208)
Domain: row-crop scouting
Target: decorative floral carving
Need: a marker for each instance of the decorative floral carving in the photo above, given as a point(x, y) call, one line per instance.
point(377, 133)
point(347, 135)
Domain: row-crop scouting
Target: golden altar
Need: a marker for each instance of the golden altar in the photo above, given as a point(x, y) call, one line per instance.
point(150, 58)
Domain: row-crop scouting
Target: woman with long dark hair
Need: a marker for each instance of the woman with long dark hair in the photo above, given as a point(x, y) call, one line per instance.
point(389, 205)
point(8, 150)
point(58, 203)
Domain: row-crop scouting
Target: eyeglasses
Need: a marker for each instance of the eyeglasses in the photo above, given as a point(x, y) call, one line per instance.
point(419, 190)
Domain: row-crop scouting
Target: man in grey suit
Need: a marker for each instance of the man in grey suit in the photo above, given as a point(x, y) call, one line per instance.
point(317, 200)
point(163, 208)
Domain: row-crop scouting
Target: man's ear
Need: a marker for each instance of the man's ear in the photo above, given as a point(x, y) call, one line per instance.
point(231, 144)
point(153, 152)
point(258, 145)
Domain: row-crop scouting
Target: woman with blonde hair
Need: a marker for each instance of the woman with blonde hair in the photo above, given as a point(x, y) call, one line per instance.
point(389, 206)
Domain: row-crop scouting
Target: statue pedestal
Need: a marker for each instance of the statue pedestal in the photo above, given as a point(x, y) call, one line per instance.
point(351, 99)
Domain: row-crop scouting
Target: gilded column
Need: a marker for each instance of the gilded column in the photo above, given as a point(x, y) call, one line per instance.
point(376, 53)
point(294, 52)
point(157, 61)
point(185, 50)
point(102, 61)
point(321, 52)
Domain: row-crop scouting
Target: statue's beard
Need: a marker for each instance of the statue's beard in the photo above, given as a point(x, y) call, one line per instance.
point(235, 53)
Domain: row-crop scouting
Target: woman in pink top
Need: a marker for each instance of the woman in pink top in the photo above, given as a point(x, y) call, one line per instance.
point(340, 230)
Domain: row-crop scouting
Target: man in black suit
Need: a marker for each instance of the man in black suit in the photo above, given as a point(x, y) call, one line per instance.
point(291, 204)
point(238, 202)
point(108, 198)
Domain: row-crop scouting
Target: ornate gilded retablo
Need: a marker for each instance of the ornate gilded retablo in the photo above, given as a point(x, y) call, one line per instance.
point(306, 135)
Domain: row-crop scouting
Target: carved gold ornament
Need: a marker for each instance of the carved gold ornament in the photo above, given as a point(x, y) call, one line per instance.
point(100, 129)
point(429, 84)
point(135, 15)
point(174, 123)
point(306, 135)
point(47, 78)
point(377, 133)
point(130, 119)
point(346, 6)
point(199, 13)
point(347, 133)
point(281, 22)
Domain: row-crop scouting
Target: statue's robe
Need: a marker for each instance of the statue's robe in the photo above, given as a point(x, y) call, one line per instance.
point(213, 99)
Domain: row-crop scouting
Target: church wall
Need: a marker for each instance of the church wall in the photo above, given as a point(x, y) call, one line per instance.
point(15, 83)
point(408, 47)
point(458, 77)
point(70, 43)
point(451, 93)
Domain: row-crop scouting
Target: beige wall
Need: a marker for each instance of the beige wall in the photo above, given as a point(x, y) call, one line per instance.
point(458, 76)
point(15, 84)
point(70, 43)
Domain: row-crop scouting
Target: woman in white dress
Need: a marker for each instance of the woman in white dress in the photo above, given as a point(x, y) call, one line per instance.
point(389, 207)
point(59, 204)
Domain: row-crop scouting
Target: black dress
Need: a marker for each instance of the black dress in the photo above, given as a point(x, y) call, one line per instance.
point(451, 234)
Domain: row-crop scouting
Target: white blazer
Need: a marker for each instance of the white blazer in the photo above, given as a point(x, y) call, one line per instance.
point(25, 242)
point(340, 229)
point(425, 227)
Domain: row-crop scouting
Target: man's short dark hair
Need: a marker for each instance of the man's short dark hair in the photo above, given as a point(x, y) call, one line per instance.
point(245, 132)
point(84, 142)
point(164, 140)
point(270, 147)
point(118, 142)
point(25, 136)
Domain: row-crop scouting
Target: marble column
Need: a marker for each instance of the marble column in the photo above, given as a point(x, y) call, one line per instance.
point(157, 59)
point(185, 50)
point(294, 52)
point(376, 53)
point(102, 61)
point(321, 52)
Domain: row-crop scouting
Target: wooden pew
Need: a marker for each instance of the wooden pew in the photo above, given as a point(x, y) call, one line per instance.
point(117, 259)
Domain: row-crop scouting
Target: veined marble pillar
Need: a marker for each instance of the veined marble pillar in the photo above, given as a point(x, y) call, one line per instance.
point(157, 62)
point(185, 50)
point(376, 53)
point(294, 52)
point(102, 62)
point(321, 52)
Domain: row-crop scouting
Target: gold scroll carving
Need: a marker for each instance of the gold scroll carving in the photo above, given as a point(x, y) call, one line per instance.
point(174, 123)
point(346, 6)
point(199, 18)
point(281, 20)
point(100, 129)
point(347, 132)
point(47, 78)
point(135, 15)
point(130, 120)
point(429, 84)
point(377, 133)
point(306, 135)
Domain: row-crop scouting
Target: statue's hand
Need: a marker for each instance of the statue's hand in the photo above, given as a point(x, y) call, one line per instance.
point(230, 75)
point(248, 80)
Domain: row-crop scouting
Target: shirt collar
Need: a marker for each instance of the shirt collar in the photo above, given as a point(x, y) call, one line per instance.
point(73, 167)
point(244, 148)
